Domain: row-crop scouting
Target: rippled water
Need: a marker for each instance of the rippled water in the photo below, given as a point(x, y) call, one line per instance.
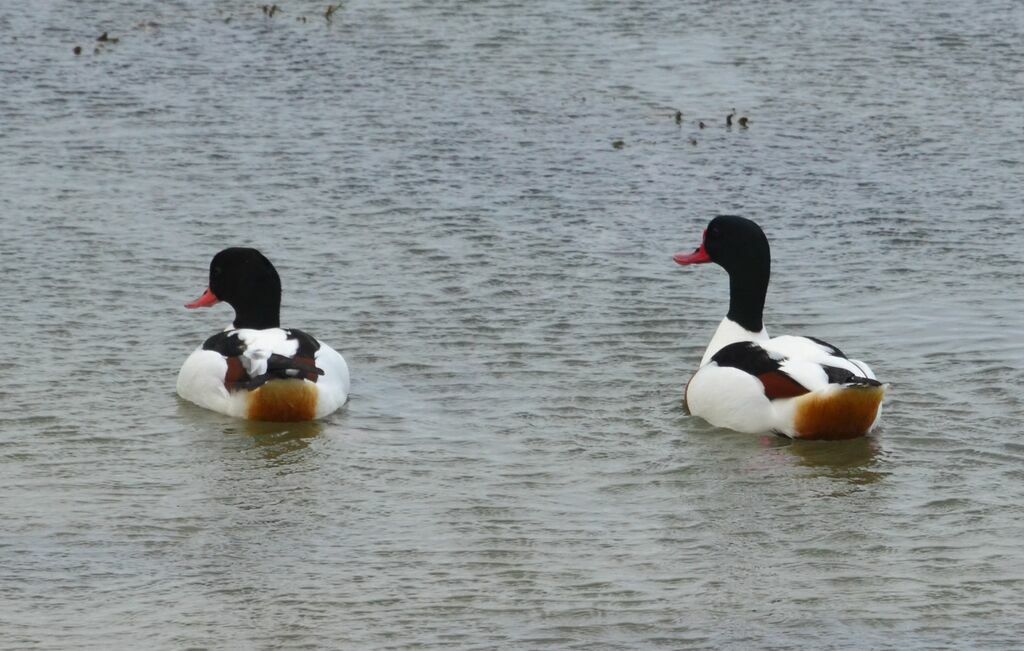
point(437, 184)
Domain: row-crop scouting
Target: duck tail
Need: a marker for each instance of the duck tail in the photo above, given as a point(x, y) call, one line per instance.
point(848, 412)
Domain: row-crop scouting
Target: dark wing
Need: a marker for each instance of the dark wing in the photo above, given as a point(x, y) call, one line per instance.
point(832, 350)
point(778, 384)
point(751, 358)
point(835, 352)
point(230, 345)
point(227, 343)
point(279, 367)
point(843, 376)
point(305, 356)
point(307, 345)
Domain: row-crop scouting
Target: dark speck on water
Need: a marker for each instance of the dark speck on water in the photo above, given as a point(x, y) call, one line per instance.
point(514, 469)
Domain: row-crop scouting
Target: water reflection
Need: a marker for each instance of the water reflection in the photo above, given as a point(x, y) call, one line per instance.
point(856, 460)
point(277, 439)
point(273, 439)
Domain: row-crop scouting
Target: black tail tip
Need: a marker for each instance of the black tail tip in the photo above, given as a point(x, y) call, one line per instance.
point(862, 382)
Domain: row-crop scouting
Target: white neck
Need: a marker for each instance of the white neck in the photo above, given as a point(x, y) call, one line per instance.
point(729, 332)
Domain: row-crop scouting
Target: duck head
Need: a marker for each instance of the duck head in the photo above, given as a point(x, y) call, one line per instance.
point(740, 247)
point(246, 280)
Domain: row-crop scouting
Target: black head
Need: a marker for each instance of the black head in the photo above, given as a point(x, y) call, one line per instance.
point(737, 244)
point(248, 282)
point(741, 248)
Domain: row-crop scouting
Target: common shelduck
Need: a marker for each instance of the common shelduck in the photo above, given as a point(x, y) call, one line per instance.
point(799, 387)
point(256, 369)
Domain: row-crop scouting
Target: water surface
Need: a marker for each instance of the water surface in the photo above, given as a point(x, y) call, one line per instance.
point(437, 185)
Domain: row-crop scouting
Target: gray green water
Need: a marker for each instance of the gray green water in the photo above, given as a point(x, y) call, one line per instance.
point(437, 186)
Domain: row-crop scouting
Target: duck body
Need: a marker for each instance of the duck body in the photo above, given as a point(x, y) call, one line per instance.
point(265, 375)
point(262, 372)
point(796, 386)
point(801, 387)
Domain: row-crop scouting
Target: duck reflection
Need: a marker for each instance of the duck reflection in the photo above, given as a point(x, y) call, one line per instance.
point(856, 460)
point(276, 439)
point(272, 439)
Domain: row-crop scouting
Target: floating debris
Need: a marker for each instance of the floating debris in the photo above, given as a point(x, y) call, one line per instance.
point(104, 38)
point(618, 144)
point(329, 13)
